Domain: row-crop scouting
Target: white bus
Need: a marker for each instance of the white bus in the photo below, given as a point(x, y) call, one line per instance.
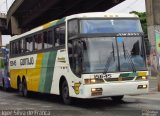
point(86, 55)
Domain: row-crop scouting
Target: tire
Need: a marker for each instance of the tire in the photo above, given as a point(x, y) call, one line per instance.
point(20, 87)
point(117, 98)
point(65, 93)
point(3, 84)
point(24, 88)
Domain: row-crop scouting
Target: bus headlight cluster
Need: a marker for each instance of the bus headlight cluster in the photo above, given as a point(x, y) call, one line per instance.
point(96, 91)
point(144, 78)
point(93, 81)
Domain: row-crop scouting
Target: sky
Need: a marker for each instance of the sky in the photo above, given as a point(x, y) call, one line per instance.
point(128, 6)
point(124, 7)
point(3, 9)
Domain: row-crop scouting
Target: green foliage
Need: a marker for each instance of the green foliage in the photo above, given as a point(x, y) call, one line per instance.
point(143, 20)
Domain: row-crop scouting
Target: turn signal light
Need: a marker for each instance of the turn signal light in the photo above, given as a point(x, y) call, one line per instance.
point(142, 87)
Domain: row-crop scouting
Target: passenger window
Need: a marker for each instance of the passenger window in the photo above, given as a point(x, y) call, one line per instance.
point(22, 46)
point(48, 39)
point(59, 35)
point(14, 48)
point(17, 49)
point(29, 44)
point(38, 42)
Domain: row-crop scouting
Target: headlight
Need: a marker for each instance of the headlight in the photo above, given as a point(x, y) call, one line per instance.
point(144, 78)
point(93, 81)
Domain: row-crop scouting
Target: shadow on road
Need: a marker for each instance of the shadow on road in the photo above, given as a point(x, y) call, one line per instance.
point(79, 103)
point(90, 104)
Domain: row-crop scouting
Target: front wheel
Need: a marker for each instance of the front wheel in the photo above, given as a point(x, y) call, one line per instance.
point(117, 98)
point(65, 93)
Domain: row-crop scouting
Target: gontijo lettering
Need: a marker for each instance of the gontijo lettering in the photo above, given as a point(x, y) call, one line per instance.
point(27, 61)
point(13, 63)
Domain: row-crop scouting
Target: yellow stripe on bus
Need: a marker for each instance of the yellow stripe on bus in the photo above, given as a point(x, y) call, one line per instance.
point(36, 73)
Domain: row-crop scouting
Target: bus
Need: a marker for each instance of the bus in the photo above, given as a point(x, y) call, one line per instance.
point(86, 55)
point(4, 68)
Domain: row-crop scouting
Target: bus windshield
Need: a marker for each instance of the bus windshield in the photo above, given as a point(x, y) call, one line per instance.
point(100, 53)
point(109, 26)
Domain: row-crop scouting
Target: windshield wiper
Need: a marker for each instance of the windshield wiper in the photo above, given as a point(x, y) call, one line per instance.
point(130, 60)
point(126, 53)
point(108, 63)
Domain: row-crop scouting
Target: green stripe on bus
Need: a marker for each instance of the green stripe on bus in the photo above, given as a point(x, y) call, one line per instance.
point(43, 72)
point(50, 71)
point(48, 64)
point(60, 21)
point(128, 74)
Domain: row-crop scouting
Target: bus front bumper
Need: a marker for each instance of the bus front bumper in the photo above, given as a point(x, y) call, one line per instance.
point(115, 89)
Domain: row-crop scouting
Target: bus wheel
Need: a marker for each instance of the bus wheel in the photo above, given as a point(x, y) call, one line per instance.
point(24, 88)
point(65, 93)
point(20, 87)
point(117, 98)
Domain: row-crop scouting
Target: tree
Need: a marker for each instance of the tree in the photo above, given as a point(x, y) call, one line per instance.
point(143, 20)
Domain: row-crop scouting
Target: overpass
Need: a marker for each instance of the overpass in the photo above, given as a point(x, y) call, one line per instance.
point(3, 26)
point(24, 15)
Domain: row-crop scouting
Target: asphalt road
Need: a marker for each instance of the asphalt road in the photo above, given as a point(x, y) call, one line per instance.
point(11, 104)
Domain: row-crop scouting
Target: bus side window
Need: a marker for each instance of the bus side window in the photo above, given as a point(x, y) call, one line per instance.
point(59, 35)
point(48, 39)
point(17, 49)
point(11, 48)
point(29, 44)
point(22, 44)
point(19, 46)
point(38, 42)
point(45, 37)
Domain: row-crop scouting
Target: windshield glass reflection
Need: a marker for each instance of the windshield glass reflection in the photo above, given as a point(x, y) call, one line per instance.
point(100, 54)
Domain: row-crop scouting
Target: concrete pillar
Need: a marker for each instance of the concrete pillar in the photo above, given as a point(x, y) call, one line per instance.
point(15, 26)
point(153, 22)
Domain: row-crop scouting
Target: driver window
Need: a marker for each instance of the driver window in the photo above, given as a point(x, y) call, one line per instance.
point(75, 56)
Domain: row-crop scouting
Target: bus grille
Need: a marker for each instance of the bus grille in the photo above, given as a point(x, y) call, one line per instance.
point(119, 79)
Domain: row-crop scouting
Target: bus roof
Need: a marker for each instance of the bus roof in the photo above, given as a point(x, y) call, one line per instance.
point(81, 15)
point(101, 14)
